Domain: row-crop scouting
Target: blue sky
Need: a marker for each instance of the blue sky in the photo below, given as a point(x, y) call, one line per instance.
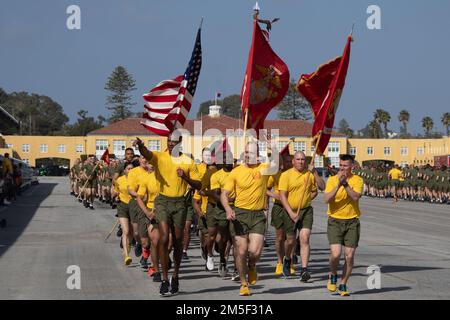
point(405, 65)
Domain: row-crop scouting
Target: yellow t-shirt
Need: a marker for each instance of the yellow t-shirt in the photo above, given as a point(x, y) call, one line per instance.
point(121, 188)
point(273, 183)
point(250, 186)
point(343, 206)
point(7, 166)
point(395, 173)
point(136, 177)
point(294, 182)
point(171, 185)
point(218, 182)
point(149, 188)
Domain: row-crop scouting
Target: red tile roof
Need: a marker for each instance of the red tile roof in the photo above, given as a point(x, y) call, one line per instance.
point(287, 128)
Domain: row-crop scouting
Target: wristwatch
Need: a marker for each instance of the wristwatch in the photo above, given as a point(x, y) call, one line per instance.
point(345, 184)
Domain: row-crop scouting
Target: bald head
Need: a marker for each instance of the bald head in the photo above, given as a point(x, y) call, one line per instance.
point(299, 161)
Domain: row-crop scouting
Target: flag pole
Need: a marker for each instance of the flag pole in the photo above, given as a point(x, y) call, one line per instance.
point(245, 123)
point(307, 178)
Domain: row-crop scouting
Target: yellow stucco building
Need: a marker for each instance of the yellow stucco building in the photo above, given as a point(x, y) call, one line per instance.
point(120, 135)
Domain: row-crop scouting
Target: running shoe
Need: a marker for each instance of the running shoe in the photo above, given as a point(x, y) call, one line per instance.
point(185, 255)
point(128, 260)
point(164, 288)
point(235, 275)
point(279, 269)
point(174, 286)
point(210, 263)
point(151, 271)
point(332, 281)
point(304, 275)
point(244, 291)
point(138, 250)
point(343, 290)
point(286, 267)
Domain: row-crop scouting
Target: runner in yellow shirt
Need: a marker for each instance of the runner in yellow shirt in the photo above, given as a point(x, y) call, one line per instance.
point(137, 177)
point(123, 212)
point(394, 176)
point(174, 172)
point(342, 194)
point(298, 184)
point(148, 228)
point(248, 221)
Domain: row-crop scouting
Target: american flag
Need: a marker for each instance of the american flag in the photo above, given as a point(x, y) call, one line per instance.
point(168, 104)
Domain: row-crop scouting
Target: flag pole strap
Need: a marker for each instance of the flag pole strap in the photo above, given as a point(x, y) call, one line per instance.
point(307, 178)
point(245, 123)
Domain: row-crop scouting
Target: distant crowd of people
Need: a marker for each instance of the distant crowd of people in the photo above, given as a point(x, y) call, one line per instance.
point(412, 183)
point(10, 180)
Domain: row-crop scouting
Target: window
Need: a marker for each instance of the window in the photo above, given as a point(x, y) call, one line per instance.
point(403, 164)
point(9, 146)
point(262, 146)
point(404, 151)
point(119, 146)
point(154, 145)
point(25, 148)
point(281, 145)
point(352, 151)
point(101, 145)
point(334, 147)
point(387, 151)
point(300, 146)
point(61, 148)
point(43, 148)
point(334, 162)
point(79, 148)
point(369, 150)
point(420, 151)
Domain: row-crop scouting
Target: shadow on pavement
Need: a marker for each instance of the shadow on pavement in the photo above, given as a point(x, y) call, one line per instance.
point(374, 291)
point(21, 212)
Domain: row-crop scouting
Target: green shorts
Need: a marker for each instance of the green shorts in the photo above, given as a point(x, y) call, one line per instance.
point(395, 183)
point(344, 232)
point(123, 210)
point(277, 216)
point(171, 210)
point(143, 223)
point(134, 210)
point(248, 221)
point(305, 222)
point(190, 209)
point(216, 217)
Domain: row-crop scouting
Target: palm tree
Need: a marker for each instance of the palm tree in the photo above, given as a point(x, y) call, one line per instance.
point(427, 124)
point(446, 122)
point(374, 128)
point(403, 117)
point(382, 117)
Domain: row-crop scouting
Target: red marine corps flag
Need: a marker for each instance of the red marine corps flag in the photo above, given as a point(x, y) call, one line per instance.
point(105, 156)
point(323, 90)
point(266, 80)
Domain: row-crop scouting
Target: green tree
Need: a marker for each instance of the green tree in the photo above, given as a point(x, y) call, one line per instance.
point(374, 129)
point(344, 128)
point(383, 118)
point(294, 105)
point(3, 96)
point(38, 114)
point(446, 122)
point(403, 117)
point(83, 126)
point(231, 106)
point(427, 125)
point(120, 83)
